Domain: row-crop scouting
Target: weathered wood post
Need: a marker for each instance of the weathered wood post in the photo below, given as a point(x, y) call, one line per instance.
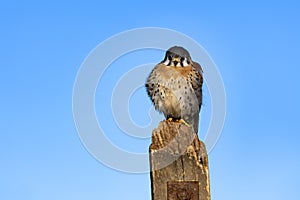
point(179, 164)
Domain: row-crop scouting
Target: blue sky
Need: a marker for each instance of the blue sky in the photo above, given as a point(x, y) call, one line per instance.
point(43, 44)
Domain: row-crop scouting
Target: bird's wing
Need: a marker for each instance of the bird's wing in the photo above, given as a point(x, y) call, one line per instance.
point(197, 82)
point(197, 67)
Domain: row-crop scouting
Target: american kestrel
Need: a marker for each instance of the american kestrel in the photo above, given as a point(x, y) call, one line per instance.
point(175, 87)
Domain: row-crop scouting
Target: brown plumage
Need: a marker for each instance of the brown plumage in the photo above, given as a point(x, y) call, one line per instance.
point(175, 87)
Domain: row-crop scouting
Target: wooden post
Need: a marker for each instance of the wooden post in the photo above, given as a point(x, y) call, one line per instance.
point(179, 164)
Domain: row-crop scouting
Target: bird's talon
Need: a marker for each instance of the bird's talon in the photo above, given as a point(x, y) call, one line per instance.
point(170, 119)
point(184, 122)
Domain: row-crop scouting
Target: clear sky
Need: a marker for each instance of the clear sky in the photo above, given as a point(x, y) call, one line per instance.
point(255, 45)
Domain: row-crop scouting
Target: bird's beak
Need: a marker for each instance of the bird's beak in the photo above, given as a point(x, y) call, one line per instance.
point(176, 60)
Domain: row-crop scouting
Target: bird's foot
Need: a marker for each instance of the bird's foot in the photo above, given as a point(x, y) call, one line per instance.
point(170, 119)
point(183, 122)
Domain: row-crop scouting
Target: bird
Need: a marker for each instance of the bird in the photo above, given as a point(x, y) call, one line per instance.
point(175, 87)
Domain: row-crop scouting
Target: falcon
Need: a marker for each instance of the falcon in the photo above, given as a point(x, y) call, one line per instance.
point(175, 87)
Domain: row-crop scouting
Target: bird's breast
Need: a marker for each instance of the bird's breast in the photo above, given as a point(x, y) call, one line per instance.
point(169, 90)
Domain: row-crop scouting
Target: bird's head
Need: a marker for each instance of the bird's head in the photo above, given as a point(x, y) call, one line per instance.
point(177, 57)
